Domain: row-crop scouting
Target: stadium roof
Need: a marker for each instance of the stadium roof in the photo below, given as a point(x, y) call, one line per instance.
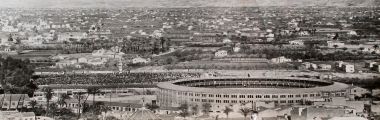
point(171, 86)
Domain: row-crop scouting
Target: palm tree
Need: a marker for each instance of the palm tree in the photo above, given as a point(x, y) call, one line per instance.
point(62, 100)
point(93, 91)
point(33, 104)
point(104, 109)
point(48, 95)
point(206, 108)
point(79, 96)
point(335, 46)
point(227, 111)
point(245, 111)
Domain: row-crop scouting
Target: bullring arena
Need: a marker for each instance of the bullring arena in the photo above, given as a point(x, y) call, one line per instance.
point(227, 91)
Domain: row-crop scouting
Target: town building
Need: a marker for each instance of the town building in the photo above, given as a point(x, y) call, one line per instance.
point(281, 59)
point(221, 53)
point(319, 112)
point(14, 115)
point(296, 42)
point(14, 101)
point(140, 60)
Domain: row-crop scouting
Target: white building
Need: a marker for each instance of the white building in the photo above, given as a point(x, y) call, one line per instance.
point(281, 59)
point(9, 29)
point(221, 53)
point(348, 68)
point(332, 44)
point(324, 67)
point(71, 36)
point(296, 42)
point(376, 67)
point(140, 60)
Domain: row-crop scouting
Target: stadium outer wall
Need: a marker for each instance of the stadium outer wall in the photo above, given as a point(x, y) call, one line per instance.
point(225, 91)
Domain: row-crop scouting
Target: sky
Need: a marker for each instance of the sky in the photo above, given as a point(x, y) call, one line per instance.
point(171, 3)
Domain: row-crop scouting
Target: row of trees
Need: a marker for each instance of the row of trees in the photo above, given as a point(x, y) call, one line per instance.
point(186, 110)
point(15, 76)
point(60, 109)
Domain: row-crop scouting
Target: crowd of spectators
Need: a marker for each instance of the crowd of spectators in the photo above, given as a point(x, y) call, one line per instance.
point(110, 78)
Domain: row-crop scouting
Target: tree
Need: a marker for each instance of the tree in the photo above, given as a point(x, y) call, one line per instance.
point(79, 96)
point(15, 75)
point(33, 104)
point(184, 110)
point(245, 111)
point(344, 49)
point(48, 95)
point(227, 111)
point(111, 118)
point(335, 46)
point(93, 91)
point(65, 114)
point(62, 99)
point(361, 48)
point(152, 107)
point(206, 107)
point(194, 109)
point(53, 109)
point(375, 46)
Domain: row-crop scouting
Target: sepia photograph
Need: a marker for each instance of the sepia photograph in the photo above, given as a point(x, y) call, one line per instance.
point(189, 60)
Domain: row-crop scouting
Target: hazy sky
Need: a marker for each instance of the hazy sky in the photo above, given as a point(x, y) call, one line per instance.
point(168, 3)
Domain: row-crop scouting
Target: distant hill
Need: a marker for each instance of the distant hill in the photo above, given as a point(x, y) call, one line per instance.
point(178, 3)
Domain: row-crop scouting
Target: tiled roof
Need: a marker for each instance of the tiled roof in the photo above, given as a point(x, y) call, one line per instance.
point(14, 97)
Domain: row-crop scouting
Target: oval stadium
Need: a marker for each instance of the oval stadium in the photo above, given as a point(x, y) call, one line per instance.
point(223, 91)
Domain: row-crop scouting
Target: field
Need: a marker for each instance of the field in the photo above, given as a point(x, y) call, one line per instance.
point(225, 65)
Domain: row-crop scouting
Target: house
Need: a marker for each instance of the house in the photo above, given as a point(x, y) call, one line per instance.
point(376, 67)
point(221, 53)
point(226, 40)
point(66, 63)
point(97, 61)
point(324, 67)
point(71, 36)
point(9, 29)
point(236, 48)
point(354, 91)
point(307, 66)
point(370, 64)
point(14, 101)
point(15, 115)
point(348, 118)
point(343, 101)
point(333, 44)
point(321, 112)
point(281, 59)
point(265, 114)
point(107, 53)
point(375, 108)
point(296, 42)
point(140, 60)
point(346, 67)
